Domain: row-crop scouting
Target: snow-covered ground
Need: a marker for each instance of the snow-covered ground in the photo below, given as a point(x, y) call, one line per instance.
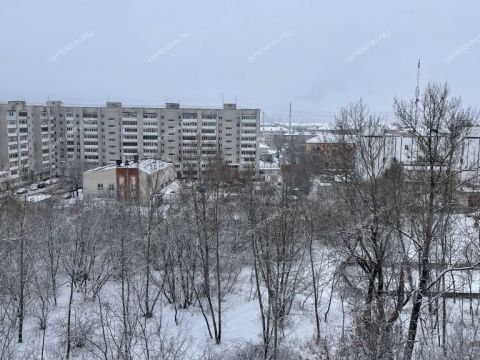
point(241, 323)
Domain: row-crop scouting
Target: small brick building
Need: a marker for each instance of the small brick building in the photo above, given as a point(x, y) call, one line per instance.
point(128, 180)
point(326, 153)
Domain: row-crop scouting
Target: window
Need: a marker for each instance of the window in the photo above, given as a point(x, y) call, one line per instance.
point(90, 116)
point(99, 187)
point(149, 116)
point(189, 115)
point(111, 187)
point(127, 122)
point(150, 137)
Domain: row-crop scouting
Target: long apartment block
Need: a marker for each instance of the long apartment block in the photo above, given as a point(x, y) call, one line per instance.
point(56, 139)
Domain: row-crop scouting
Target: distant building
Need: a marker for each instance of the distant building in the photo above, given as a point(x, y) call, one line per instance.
point(335, 149)
point(326, 152)
point(128, 180)
point(274, 135)
point(266, 154)
point(38, 141)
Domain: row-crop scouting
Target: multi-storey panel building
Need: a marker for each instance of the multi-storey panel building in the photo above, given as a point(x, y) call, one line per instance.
point(54, 139)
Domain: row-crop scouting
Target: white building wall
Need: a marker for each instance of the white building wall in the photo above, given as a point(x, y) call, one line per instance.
point(105, 177)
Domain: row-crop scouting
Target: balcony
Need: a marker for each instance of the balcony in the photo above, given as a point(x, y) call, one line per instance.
point(90, 146)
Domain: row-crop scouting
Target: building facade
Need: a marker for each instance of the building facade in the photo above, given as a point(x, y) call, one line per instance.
point(128, 180)
point(333, 149)
point(56, 139)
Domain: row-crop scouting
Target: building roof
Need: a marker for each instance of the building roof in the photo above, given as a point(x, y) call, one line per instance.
point(147, 166)
point(324, 139)
point(151, 166)
point(273, 129)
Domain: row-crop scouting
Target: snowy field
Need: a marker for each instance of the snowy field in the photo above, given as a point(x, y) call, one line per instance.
point(190, 336)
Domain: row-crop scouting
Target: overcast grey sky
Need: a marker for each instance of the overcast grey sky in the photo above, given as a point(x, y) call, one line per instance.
point(319, 55)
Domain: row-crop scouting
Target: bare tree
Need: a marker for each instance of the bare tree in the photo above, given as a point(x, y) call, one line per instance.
point(277, 246)
point(439, 124)
point(368, 211)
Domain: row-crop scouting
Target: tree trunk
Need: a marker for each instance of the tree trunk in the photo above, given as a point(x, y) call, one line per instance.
point(69, 317)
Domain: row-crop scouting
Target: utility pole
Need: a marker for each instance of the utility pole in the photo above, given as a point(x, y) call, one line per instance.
point(290, 120)
point(290, 132)
point(417, 91)
point(263, 115)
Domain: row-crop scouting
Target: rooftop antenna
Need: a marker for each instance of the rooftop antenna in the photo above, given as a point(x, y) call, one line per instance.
point(417, 91)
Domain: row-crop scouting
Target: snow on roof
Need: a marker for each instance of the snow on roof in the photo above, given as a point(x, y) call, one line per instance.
point(171, 188)
point(268, 165)
point(151, 166)
point(263, 146)
point(273, 129)
point(324, 138)
point(38, 197)
point(147, 166)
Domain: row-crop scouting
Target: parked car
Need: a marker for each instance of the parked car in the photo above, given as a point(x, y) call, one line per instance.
point(42, 185)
